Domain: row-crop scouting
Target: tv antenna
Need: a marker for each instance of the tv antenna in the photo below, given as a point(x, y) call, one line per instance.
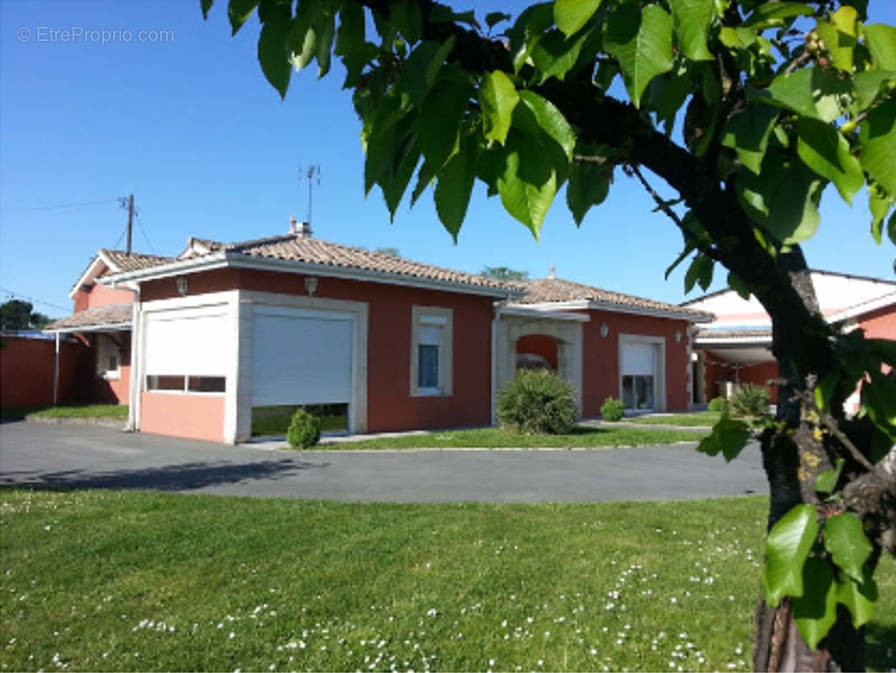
point(311, 173)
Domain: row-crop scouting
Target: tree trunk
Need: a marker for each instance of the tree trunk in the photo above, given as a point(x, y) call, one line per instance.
point(792, 462)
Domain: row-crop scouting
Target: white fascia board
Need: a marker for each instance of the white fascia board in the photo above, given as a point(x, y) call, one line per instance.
point(178, 268)
point(866, 307)
point(585, 305)
point(111, 327)
point(732, 341)
point(527, 312)
point(235, 260)
point(90, 273)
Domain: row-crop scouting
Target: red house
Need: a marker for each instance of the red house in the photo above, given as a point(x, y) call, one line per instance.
point(225, 332)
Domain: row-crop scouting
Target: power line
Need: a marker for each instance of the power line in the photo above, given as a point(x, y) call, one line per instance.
point(57, 207)
point(143, 231)
point(33, 299)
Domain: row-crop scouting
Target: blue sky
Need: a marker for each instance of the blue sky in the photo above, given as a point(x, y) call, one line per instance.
point(191, 127)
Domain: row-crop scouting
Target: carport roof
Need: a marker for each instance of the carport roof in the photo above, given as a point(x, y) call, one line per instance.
point(95, 319)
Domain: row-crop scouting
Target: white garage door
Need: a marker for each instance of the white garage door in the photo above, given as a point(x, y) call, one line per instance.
point(301, 357)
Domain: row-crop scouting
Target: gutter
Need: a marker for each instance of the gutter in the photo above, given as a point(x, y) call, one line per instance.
point(590, 304)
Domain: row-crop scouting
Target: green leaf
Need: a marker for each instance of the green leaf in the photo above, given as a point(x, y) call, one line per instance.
point(881, 40)
point(826, 482)
point(770, 14)
point(858, 597)
point(782, 199)
point(879, 402)
point(700, 272)
point(555, 55)
point(786, 550)
point(641, 40)
point(239, 11)
point(274, 52)
point(824, 391)
point(326, 31)
point(453, 189)
point(494, 18)
point(527, 31)
point(528, 183)
point(422, 67)
point(728, 437)
point(748, 132)
point(588, 186)
point(406, 17)
point(738, 285)
point(811, 92)
point(498, 97)
point(571, 15)
point(824, 149)
point(846, 541)
point(692, 19)
point(815, 611)
point(206, 6)
point(879, 203)
point(441, 115)
point(839, 37)
point(878, 136)
point(425, 177)
point(551, 121)
point(869, 84)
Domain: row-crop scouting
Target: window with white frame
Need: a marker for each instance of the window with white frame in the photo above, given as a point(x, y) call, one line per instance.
point(431, 351)
point(108, 357)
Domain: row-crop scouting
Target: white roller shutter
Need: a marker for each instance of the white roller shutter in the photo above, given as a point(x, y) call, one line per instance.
point(301, 357)
point(638, 359)
point(187, 342)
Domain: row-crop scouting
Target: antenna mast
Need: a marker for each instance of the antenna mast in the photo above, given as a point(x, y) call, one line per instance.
point(311, 173)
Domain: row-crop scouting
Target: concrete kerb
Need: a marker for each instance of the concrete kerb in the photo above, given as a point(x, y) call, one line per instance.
point(102, 422)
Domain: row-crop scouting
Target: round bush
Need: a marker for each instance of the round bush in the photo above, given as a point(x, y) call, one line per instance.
point(718, 404)
point(304, 430)
point(612, 409)
point(537, 401)
point(750, 400)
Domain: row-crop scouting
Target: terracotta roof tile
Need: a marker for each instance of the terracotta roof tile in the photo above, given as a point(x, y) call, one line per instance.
point(549, 290)
point(734, 334)
point(104, 315)
point(315, 251)
point(134, 260)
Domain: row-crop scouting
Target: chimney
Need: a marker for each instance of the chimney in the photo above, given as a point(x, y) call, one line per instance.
point(553, 274)
point(301, 229)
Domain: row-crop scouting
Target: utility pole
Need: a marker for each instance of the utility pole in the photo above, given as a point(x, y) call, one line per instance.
point(130, 221)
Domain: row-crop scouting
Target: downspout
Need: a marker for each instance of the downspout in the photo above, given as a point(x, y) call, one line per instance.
point(136, 366)
point(497, 307)
point(56, 373)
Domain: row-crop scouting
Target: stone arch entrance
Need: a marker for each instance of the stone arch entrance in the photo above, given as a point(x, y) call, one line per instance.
point(555, 339)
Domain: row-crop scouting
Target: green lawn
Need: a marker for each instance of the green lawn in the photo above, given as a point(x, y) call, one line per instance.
point(496, 438)
point(131, 580)
point(704, 418)
point(113, 411)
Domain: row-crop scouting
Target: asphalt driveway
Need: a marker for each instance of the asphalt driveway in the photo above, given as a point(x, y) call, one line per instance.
point(95, 457)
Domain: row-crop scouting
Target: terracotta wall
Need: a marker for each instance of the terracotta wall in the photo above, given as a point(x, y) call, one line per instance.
point(182, 415)
point(758, 374)
point(389, 404)
point(880, 324)
point(96, 388)
point(601, 357)
point(100, 295)
point(539, 344)
point(26, 371)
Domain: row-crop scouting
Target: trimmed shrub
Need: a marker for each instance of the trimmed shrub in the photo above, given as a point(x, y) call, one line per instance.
point(304, 430)
point(750, 400)
point(537, 401)
point(612, 409)
point(718, 404)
